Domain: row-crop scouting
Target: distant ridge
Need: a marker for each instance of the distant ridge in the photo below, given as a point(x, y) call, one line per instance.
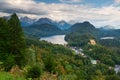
point(63, 25)
point(85, 27)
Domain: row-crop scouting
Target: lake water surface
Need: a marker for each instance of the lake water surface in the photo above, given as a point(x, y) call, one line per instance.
point(56, 39)
point(107, 38)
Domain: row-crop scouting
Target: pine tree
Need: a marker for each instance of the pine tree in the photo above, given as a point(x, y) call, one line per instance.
point(4, 36)
point(17, 45)
point(12, 43)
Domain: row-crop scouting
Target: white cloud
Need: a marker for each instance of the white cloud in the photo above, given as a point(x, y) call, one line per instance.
point(108, 15)
point(4, 14)
point(117, 1)
point(70, 1)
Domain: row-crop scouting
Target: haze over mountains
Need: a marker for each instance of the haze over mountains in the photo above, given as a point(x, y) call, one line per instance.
point(63, 25)
point(25, 21)
point(47, 27)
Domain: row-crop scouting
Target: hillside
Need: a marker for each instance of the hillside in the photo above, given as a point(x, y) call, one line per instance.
point(84, 27)
point(41, 30)
point(78, 39)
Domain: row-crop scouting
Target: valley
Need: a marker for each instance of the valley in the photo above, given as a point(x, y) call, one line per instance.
point(42, 50)
point(59, 39)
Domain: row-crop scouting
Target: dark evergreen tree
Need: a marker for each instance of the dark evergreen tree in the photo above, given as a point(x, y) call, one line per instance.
point(4, 36)
point(17, 45)
point(12, 44)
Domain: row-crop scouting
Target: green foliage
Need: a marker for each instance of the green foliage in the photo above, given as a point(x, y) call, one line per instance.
point(17, 45)
point(77, 39)
point(31, 56)
point(68, 77)
point(34, 72)
point(103, 54)
point(12, 43)
point(8, 61)
point(51, 48)
point(4, 36)
point(59, 60)
point(7, 76)
point(110, 42)
point(55, 60)
point(84, 27)
point(68, 68)
point(49, 63)
point(17, 40)
point(41, 30)
point(112, 77)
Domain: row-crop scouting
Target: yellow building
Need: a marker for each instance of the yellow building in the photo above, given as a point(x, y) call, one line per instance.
point(92, 42)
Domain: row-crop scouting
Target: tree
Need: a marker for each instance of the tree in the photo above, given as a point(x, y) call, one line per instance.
point(17, 39)
point(11, 39)
point(17, 44)
point(4, 36)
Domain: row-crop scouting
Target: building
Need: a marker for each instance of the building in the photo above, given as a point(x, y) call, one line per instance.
point(94, 61)
point(92, 42)
point(117, 68)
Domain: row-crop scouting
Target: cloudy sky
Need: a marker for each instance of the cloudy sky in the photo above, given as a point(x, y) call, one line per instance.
point(98, 12)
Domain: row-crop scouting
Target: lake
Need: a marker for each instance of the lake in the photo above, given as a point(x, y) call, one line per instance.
point(107, 38)
point(56, 39)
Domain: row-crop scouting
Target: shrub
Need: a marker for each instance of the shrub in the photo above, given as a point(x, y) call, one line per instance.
point(8, 61)
point(50, 64)
point(34, 72)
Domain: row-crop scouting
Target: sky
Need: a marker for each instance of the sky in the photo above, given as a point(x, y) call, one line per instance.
point(97, 12)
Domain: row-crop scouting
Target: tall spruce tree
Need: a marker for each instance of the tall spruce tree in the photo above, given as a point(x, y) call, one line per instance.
point(5, 56)
point(17, 44)
point(17, 40)
point(12, 43)
point(4, 36)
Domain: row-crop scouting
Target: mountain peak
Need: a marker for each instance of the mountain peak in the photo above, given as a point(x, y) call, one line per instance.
point(44, 21)
point(86, 22)
point(83, 27)
point(63, 25)
point(26, 21)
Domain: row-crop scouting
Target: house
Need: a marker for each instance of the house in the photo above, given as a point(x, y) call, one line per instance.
point(117, 68)
point(94, 61)
point(92, 42)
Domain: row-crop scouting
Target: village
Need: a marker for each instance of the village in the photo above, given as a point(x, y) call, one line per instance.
point(79, 51)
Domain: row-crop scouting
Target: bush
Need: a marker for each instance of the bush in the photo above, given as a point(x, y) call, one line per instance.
point(7, 60)
point(50, 64)
point(34, 72)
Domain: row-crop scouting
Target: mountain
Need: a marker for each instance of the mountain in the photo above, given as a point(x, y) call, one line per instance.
point(41, 30)
point(63, 25)
point(109, 32)
point(26, 21)
point(85, 27)
point(80, 34)
point(44, 21)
